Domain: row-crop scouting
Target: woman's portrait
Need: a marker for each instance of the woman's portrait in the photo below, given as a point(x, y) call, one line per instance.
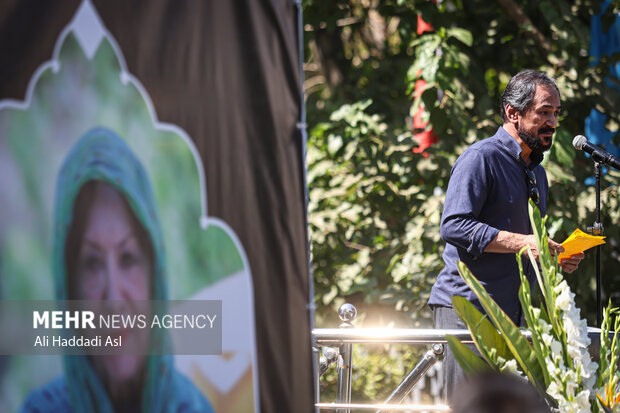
point(103, 202)
point(108, 246)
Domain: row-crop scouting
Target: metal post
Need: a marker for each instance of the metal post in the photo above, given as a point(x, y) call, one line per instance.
point(597, 230)
point(403, 389)
point(347, 314)
point(316, 360)
point(303, 129)
point(330, 355)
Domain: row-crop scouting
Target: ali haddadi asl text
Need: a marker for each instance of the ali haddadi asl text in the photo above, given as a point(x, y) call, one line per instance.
point(77, 341)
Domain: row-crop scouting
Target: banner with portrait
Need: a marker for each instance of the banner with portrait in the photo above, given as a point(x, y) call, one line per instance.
point(150, 152)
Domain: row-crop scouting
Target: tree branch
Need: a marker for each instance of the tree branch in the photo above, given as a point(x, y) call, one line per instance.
point(517, 15)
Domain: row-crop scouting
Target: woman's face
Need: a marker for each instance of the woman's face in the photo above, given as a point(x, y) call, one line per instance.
point(113, 264)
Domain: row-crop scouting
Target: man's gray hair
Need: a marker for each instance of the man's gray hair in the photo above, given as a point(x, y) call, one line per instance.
point(521, 90)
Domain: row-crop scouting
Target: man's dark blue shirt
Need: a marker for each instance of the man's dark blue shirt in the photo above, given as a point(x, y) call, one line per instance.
point(488, 192)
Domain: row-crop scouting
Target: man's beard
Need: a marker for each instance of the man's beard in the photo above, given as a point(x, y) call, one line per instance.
point(533, 142)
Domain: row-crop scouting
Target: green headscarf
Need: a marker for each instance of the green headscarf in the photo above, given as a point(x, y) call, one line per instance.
point(101, 155)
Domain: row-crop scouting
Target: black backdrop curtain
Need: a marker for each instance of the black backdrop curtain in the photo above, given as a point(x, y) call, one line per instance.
point(227, 72)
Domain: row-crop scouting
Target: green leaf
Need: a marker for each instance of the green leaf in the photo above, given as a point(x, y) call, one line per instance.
point(526, 304)
point(466, 358)
point(518, 344)
point(562, 149)
point(541, 283)
point(464, 36)
point(538, 226)
point(547, 264)
point(483, 333)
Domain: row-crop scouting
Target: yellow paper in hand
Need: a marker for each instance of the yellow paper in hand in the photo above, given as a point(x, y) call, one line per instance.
point(578, 242)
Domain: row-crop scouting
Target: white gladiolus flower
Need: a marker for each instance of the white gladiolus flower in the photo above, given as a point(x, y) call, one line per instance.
point(589, 373)
point(561, 336)
point(544, 326)
point(556, 347)
point(573, 351)
point(583, 398)
point(576, 334)
point(511, 368)
point(571, 386)
point(551, 367)
point(554, 391)
point(570, 376)
point(564, 298)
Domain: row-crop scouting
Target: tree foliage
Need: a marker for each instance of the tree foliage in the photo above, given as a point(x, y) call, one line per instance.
point(375, 205)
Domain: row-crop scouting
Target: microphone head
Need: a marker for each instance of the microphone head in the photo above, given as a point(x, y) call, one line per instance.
point(579, 141)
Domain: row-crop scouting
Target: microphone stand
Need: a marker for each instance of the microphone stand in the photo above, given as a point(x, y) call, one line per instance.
point(597, 230)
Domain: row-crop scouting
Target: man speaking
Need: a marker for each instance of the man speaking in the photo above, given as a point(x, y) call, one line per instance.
point(485, 220)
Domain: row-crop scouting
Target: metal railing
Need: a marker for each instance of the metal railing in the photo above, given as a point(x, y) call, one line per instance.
point(339, 342)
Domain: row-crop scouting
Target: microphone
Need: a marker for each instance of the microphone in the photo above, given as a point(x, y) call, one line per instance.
point(581, 143)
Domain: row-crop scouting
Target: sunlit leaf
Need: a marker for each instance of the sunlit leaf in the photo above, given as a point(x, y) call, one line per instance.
point(518, 344)
point(467, 359)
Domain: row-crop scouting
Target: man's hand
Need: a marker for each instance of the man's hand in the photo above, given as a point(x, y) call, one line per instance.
point(554, 247)
point(570, 264)
point(512, 242)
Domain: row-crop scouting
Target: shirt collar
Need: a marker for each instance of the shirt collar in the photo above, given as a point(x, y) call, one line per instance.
point(514, 149)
